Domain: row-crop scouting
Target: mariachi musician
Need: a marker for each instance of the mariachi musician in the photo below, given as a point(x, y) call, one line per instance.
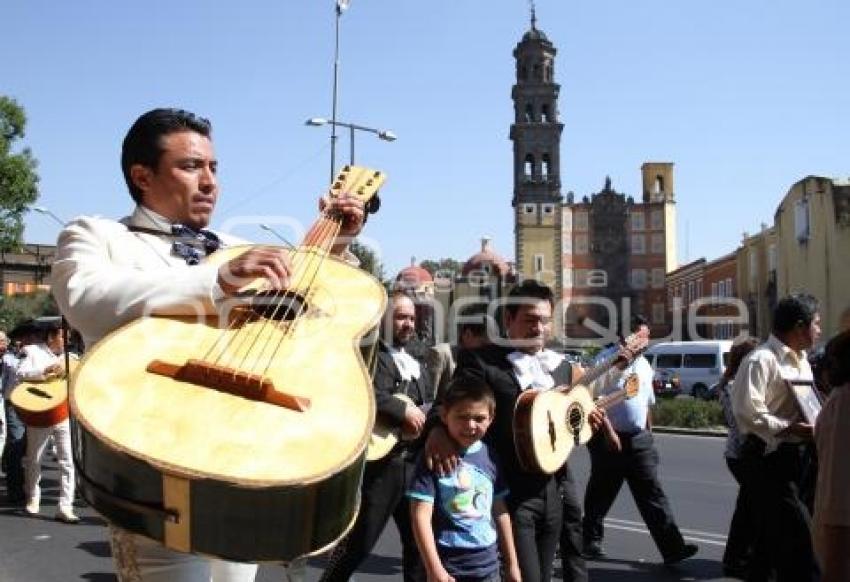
point(108, 273)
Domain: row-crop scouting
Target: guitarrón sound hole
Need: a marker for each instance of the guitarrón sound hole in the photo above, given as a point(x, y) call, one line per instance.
point(279, 305)
point(575, 418)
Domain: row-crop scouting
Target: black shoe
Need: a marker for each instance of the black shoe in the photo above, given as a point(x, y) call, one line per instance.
point(683, 553)
point(592, 550)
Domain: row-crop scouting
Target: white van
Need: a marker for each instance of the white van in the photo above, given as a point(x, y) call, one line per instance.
point(697, 364)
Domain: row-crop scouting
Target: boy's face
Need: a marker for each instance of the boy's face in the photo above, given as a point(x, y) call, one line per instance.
point(467, 421)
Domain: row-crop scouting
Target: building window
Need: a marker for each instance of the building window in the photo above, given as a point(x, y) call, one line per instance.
point(656, 244)
point(638, 244)
point(545, 165)
point(581, 244)
point(544, 114)
point(656, 220)
point(538, 263)
point(729, 292)
point(529, 113)
point(659, 184)
point(713, 292)
point(580, 221)
point(638, 222)
point(638, 278)
point(658, 313)
point(754, 266)
point(690, 291)
point(699, 288)
point(528, 209)
point(528, 168)
point(548, 208)
point(801, 220)
point(657, 278)
point(580, 278)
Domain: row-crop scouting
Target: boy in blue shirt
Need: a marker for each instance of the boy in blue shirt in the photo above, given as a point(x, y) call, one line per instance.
point(459, 543)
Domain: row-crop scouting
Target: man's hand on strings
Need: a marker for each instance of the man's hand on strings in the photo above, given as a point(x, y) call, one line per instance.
point(352, 211)
point(269, 263)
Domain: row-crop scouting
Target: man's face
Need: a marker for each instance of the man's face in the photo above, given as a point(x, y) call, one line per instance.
point(811, 334)
point(183, 187)
point(530, 326)
point(404, 321)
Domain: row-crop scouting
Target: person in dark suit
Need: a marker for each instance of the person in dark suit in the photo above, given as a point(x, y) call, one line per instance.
point(386, 480)
point(510, 366)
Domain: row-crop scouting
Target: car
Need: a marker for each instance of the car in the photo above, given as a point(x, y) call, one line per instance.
point(666, 384)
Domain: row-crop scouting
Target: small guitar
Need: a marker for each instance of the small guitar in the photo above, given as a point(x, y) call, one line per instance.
point(549, 424)
point(385, 437)
point(42, 403)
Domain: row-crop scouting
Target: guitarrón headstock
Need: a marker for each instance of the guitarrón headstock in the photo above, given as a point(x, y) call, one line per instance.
point(634, 345)
point(363, 183)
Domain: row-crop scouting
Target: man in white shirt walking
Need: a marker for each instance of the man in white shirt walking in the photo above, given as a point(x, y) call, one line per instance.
point(775, 434)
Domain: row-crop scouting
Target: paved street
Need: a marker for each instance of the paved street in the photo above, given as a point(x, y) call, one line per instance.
point(693, 472)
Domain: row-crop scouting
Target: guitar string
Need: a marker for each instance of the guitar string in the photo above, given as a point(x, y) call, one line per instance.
point(243, 334)
point(322, 235)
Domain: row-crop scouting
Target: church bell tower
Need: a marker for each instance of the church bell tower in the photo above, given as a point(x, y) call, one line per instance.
point(536, 137)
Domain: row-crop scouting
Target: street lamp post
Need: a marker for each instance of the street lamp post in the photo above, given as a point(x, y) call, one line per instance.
point(383, 134)
point(341, 6)
point(46, 211)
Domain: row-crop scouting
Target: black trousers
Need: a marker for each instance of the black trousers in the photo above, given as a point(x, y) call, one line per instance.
point(536, 521)
point(637, 464)
point(13, 455)
point(742, 528)
point(783, 540)
point(572, 561)
point(382, 497)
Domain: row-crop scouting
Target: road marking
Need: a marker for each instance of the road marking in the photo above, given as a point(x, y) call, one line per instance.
point(688, 534)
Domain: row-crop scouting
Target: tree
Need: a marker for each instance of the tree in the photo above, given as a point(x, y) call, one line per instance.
point(443, 265)
point(369, 261)
point(18, 178)
point(15, 309)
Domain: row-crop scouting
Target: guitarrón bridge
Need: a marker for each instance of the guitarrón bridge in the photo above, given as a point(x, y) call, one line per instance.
point(223, 379)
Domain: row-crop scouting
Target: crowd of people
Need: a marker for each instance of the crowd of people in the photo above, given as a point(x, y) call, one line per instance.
point(467, 509)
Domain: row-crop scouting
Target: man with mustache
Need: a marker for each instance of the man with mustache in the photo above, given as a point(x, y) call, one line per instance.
point(108, 273)
point(537, 502)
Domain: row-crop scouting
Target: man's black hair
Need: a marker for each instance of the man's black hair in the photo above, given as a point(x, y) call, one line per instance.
point(795, 310)
point(478, 326)
point(525, 291)
point(143, 142)
point(637, 322)
point(836, 360)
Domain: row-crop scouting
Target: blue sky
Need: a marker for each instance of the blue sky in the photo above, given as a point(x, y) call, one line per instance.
point(744, 97)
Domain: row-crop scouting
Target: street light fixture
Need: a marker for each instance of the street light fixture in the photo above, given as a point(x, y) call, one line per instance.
point(383, 134)
point(46, 211)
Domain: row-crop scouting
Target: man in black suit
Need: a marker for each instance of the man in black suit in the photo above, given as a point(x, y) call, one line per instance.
point(510, 366)
point(385, 480)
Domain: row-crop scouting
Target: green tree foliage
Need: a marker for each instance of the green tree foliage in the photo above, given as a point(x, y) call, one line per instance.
point(15, 309)
point(443, 265)
point(18, 178)
point(369, 261)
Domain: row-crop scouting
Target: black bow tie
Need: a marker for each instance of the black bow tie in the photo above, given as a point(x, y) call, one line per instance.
point(191, 243)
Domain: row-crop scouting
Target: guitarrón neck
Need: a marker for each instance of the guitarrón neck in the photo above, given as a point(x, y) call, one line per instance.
point(610, 400)
point(597, 371)
point(322, 234)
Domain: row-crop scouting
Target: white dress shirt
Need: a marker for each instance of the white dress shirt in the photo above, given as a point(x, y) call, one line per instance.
point(762, 402)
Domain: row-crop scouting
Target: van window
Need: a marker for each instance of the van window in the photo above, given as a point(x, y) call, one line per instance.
point(668, 361)
point(700, 360)
point(725, 359)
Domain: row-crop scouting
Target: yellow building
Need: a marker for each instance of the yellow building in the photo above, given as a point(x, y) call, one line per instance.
point(757, 278)
point(812, 226)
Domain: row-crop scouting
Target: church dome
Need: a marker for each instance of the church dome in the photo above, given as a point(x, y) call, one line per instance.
point(414, 278)
point(486, 260)
point(534, 34)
